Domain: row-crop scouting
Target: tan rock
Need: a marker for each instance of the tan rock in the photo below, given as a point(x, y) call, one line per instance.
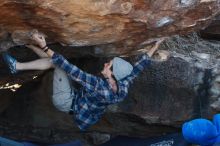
point(120, 25)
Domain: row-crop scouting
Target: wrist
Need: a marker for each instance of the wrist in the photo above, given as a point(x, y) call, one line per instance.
point(44, 48)
point(50, 52)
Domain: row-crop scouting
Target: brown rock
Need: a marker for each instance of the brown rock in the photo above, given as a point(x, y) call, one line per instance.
point(160, 100)
point(117, 27)
point(213, 30)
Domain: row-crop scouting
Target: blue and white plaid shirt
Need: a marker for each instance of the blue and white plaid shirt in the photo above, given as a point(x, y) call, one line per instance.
point(92, 99)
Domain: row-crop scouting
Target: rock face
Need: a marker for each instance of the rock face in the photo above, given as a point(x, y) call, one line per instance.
point(114, 26)
point(160, 100)
point(146, 112)
point(213, 30)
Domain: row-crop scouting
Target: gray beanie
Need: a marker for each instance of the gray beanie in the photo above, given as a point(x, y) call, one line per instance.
point(121, 68)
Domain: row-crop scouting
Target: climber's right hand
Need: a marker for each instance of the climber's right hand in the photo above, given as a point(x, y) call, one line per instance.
point(39, 39)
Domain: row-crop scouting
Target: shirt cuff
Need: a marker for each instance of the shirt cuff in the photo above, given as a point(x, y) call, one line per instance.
point(55, 55)
point(56, 59)
point(147, 59)
point(145, 56)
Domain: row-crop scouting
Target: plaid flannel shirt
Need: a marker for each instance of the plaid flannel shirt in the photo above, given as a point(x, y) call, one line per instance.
point(96, 94)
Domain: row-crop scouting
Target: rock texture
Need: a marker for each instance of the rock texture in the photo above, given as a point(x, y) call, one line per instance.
point(144, 113)
point(213, 30)
point(114, 26)
point(161, 99)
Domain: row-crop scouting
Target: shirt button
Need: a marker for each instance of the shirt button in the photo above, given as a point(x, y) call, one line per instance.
point(60, 79)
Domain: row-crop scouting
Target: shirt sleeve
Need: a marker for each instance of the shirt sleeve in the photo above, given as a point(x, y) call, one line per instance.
point(87, 80)
point(142, 63)
point(122, 92)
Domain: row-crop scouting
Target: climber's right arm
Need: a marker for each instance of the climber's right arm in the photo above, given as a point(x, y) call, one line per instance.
point(87, 80)
point(151, 52)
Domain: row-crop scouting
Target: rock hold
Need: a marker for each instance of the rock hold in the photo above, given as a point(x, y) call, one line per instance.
point(121, 26)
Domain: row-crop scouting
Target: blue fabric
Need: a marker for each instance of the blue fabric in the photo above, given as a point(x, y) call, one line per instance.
point(10, 61)
point(202, 131)
point(96, 94)
point(8, 142)
point(216, 121)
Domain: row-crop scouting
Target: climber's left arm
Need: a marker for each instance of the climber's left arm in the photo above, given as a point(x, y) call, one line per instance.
point(87, 80)
point(143, 62)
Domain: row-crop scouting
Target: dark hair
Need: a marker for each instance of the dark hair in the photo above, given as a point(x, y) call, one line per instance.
point(113, 76)
point(111, 68)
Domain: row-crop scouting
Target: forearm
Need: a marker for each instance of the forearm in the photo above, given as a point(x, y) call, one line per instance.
point(122, 93)
point(50, 53)
point(85, 79)
point(143, 62)
point(139, 66)
point(155, 47)
point(59, 61)
point(152, 50)
point(74, 72)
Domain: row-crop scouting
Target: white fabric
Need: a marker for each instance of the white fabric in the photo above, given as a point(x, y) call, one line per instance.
point(62, 92)
point(121, 68)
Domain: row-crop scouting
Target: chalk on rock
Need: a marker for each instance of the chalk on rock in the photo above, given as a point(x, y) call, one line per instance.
point(164, 21)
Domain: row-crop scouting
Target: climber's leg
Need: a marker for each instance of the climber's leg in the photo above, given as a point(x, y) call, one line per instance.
point(39, 64)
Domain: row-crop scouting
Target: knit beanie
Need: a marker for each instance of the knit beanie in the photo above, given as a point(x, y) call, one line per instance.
point(121, 68)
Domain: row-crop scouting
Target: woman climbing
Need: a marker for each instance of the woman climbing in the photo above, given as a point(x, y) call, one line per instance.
point(89, 102)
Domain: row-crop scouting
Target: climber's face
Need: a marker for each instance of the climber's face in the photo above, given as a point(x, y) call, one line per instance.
point(107, 71)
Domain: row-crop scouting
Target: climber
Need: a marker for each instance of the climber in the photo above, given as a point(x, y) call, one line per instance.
point(88, 103)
